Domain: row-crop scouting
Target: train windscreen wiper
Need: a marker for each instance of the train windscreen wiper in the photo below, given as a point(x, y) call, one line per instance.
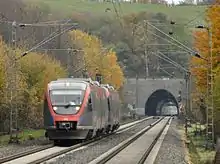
point(69, 104)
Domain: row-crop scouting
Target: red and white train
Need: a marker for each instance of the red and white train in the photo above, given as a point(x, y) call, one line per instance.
point(80, 109)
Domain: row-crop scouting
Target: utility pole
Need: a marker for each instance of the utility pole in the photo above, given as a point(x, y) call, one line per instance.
point(190, 92)
point(210, 104)
point(59, 38)
point(12, 86)
point(146, 51)
point(68, 62)
point(136, 92)
point(187, 101)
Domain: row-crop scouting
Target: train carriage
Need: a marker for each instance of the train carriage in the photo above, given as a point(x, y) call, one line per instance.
point(79, 109)
point(67, 109)
point(115, 108)
point(106, 109)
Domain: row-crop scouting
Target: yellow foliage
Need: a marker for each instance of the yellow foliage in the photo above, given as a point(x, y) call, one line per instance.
point(97, 59)
point(32, 72)
point(38, 75)
point(201, 43)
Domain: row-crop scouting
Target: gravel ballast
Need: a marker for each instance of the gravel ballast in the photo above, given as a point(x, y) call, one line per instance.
point(172, 150)
point(11, 149)
point(93, 151)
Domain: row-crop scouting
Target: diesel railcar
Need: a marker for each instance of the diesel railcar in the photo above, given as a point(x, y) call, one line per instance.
point(169, 110)
point(79, 109)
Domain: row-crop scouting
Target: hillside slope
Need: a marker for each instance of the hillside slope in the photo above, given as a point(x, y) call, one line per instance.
point(181, 14)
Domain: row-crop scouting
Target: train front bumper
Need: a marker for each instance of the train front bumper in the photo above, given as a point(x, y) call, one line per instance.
point(60, 134)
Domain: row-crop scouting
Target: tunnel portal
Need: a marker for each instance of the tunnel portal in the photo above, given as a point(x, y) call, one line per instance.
point(156, 101)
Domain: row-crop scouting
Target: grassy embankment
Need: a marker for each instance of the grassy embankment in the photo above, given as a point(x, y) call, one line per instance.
point(24, 135)
point(196, 148)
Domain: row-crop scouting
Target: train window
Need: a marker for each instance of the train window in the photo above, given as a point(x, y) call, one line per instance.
point(69, 85)
point(62, 97)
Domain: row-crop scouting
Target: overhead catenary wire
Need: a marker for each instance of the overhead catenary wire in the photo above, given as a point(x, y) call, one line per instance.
point(55, 32)
point(40, 43)
point(49, 38)
point(43, 23)
point(165, 71)
point(46, 25)
point(186, 47)
point(181, 45)
point(198, 15)
point(175, 63)
point(117, 14)
point(171, 43)
point(170, 61)
point(60, 49)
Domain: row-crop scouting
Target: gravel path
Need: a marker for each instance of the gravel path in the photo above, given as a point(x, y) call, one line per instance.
point(172, 150)
point(27, 145)
point(88, 154)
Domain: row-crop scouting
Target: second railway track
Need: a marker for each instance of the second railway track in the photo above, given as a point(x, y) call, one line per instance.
point(138, 152)
point(56, 151)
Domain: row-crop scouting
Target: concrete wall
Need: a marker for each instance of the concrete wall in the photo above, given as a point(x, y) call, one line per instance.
point(145, 88)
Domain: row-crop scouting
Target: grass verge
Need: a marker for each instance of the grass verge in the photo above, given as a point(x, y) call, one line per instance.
point(196, 148)
point(27, 134)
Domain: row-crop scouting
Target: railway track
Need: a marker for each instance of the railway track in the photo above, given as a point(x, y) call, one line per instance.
point(22, 154)
point(133, 151)
point(48, 152)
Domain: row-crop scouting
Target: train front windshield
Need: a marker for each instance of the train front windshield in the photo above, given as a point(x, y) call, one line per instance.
point(66, 101)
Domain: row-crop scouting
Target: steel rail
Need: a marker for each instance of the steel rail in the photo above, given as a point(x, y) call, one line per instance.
point(148, 151)
point(41, 160)
point(25, 153)
point(124, 144)
point(36, 150)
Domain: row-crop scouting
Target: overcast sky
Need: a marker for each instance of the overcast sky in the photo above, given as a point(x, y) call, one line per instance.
point(175, 1)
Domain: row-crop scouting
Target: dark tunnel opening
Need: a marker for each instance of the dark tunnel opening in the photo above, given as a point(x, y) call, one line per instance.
point(156, 101)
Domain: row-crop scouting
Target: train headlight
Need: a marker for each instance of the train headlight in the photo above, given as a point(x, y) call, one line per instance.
point(77, 108)
point(54, 108)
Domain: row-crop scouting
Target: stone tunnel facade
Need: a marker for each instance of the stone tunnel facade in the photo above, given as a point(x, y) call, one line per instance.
point(151, 93)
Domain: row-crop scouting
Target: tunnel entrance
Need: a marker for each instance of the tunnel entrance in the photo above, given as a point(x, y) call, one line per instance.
point(157, 100)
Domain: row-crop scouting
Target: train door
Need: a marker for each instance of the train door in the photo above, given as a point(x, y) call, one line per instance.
point(118, 109)
point(112, 108)
point(89, 112)
point(105, 108)
point(109, 110)
point(98, 108)
point(102, 108)
point(94, 110)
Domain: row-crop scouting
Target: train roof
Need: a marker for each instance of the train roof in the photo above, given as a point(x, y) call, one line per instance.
point(107, 86)
point(74, 83)
point(75, 79)
point(63, 84)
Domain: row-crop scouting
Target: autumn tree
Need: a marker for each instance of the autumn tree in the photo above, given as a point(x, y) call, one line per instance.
point(38, 75)
point(200, 67)
point(33, 72)
point(95, 58)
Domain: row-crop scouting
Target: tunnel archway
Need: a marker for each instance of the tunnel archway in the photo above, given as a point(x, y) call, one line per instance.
point(157, 99)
